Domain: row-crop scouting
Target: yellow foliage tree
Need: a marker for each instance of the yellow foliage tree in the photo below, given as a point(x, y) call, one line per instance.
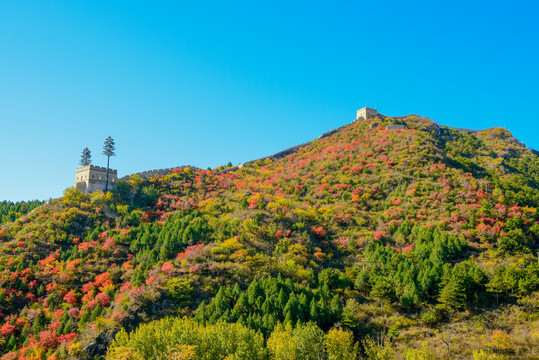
point(282, 343)
point(340, 345)
point(419, 354)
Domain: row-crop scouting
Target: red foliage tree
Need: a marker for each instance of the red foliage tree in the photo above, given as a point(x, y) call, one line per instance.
point(86, 288)
point(103, 298)
point(47, 339)
point(67, 338)
point(102, 280)
point(167, 267)
point(319, 232)
point(378, 235)
point(7, 329)
point(73, 313)
point(70, 297)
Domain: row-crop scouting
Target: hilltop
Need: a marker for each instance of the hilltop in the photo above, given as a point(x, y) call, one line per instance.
point(421, 239)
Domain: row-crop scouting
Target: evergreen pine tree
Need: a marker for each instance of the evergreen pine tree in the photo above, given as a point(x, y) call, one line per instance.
point(254, 291)
point(269, 323)
point(453, 293)
point(12, 343)
point(303, 301)
point(108, 151)
point(288, 318)
point(336, 307)
point(220, 302)
point(312, 278)
point(226, 316)
point(68, 327)
point(314, 313)
point(95, 313)
point(85, 316)
point(382, 290)
point(242, 304)
point(86, 157)
point(236, 291)
point(25, 330)
point(37, 325)
point(362, 281)
point(282, 299)
point(60, 330)
point(259, 302)
point(411, 296)
point(291, 308)
point(325, 292)
point(324, 312)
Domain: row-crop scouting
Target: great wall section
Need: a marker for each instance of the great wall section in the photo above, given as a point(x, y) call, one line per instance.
point(157, 172)
point(281, 154)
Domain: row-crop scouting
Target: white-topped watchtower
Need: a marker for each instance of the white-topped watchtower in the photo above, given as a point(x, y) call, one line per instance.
point(366, 113)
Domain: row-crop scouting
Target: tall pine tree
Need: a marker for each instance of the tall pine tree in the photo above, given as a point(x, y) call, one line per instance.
point(108, 151)
point(86, 157)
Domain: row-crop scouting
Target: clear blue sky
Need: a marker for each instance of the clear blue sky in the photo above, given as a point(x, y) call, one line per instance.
point(205, 83)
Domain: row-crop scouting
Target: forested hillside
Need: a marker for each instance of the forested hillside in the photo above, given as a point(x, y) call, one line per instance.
point(10, 211)
point(375, 244)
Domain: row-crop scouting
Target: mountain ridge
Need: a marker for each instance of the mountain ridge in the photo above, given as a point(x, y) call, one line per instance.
point(292, 149)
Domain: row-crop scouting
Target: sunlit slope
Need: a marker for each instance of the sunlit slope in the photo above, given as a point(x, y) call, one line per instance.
point(431, 224)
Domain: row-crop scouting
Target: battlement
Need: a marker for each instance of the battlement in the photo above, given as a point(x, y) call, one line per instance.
point(98, 168)
point(91, 178)
point(395, 127)
point(158, 172)
point(366, 113)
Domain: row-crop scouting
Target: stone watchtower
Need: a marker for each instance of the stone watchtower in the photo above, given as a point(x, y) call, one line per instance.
point(366, 113)
point(90, 178)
